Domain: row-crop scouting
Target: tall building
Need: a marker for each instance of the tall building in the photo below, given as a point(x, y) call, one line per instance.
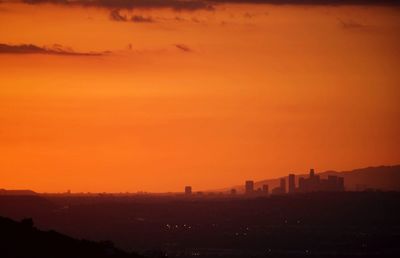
point(188, 190)
point(302, 183)
point(283, 185)
point(292, 183)
point(265, 189)
point(281, 189)
point(249, 187)
point(340, 182)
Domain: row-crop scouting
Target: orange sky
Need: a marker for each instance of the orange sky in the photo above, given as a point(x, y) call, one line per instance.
point(205, 97)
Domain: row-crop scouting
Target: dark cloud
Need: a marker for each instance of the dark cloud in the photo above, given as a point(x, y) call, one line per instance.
point(199, 4)
point(140, 18)
point(179, 19)
point(131, 4)
point(248, 15)
point(183, 48)
point(116, 16)
point(312, 2)
point(351, 24)
point(54, 50)
point(195, 20)
point(46, 1)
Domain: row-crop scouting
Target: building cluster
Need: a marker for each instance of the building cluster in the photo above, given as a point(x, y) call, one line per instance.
point(311, 184)
point(188, 190)
point(315, 184)
point(249, 188)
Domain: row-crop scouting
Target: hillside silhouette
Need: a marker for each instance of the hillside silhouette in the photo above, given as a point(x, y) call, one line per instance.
point(384, 178)
point(25, 192)
point(23, 240)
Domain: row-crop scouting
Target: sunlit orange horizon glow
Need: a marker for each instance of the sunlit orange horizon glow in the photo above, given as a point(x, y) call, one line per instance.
point(265, 90)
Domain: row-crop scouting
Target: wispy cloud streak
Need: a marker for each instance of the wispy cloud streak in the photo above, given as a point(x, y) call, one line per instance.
point(351, 24)
point(115, 15)
point(183, 48)
point(54, 50)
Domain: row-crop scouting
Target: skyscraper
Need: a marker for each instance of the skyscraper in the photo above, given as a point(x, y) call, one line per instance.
point(265, 189)
point(188, 190)
point(292, 183)
point(312, 173)
point(283, 185)
point(249, 187)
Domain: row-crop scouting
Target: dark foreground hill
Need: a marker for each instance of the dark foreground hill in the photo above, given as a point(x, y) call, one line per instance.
point(318, 225)
point(22, 240)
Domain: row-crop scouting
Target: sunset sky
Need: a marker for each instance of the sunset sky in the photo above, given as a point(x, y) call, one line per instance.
point(136, 95)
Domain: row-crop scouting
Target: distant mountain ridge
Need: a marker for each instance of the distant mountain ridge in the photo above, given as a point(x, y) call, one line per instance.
point(385, 178)
point(24, 192)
